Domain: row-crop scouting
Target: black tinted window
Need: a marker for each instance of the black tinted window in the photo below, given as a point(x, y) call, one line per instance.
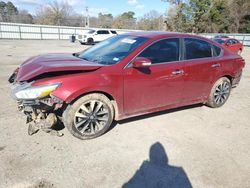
point(235, 42)
point(114, 32)
point(162, 51)
point(196, 48)
point(102, 32)
point(230, 41)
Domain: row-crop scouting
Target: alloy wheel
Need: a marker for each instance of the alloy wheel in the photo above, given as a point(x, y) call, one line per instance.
point(221, 93)
point(91, 117)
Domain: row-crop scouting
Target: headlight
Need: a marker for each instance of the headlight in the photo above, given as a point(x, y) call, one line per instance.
point(84, 36)
point(34, 92)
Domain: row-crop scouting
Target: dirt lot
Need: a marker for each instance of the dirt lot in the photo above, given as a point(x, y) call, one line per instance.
point(194, 146)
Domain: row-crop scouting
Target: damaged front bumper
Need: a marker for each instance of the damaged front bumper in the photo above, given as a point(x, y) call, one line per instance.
point(42, 113)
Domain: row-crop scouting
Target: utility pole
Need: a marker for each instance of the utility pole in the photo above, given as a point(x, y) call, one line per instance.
point(87, 17)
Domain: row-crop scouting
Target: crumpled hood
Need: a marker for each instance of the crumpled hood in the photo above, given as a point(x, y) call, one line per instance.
point(38, 65)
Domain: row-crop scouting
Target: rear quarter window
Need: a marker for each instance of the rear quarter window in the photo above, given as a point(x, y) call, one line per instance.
point(216, 51)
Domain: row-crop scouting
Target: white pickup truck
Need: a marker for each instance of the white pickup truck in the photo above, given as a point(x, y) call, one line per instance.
point(98, 35)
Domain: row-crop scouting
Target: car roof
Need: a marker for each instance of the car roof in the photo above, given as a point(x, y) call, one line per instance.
point(162, 34)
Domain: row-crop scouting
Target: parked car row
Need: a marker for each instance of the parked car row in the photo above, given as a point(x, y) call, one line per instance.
point(126, 75)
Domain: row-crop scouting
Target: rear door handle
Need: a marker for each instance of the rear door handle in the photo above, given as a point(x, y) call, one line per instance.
point(176, 72)
point(215, 65)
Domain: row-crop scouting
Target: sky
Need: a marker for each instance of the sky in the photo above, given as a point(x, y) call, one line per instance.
point(115, 7)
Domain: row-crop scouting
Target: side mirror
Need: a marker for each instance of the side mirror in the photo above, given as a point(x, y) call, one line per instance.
point(141, 62)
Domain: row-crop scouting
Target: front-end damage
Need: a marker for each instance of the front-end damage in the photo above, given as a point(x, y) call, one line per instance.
point(43, 110)
point(35, 96)
point(42, 114)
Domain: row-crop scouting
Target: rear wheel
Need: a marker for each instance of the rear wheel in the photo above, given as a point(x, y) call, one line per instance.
point(219, 93)
point(89, 117)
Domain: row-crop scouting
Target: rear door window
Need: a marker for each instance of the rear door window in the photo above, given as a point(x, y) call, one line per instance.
point(196, 48)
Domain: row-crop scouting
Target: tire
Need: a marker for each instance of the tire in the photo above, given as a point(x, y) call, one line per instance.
point(90, 41)
point(89, 117)
point(220, 93)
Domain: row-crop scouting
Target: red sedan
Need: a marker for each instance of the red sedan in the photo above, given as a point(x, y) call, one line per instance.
point(124, 76)
point(232, 44)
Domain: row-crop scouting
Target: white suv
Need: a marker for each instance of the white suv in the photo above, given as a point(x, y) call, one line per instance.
point(93, 36)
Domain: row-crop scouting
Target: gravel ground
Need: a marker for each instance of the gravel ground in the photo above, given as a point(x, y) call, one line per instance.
point(193, 146)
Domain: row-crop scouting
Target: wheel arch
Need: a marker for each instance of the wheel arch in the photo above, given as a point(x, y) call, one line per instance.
point(230, 77)
point(108, 95)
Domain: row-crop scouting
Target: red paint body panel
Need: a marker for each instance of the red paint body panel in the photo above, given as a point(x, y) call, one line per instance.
point(52, 63)
point(136, 90)
point(152, 87)
point(199, 77)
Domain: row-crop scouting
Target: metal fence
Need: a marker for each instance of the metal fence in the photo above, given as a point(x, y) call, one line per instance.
point(44, 32)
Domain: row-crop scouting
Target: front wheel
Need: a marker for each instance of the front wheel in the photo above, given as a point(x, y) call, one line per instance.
point(219, 93)
point(89, 117)
point(90, 41)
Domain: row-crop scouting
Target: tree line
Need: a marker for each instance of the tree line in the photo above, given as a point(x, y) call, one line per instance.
point(218, 16)
point(195, 16)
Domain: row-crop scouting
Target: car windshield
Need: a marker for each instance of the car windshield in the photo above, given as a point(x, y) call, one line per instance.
point(219, 41)
point(112, 50)
point(91, 31)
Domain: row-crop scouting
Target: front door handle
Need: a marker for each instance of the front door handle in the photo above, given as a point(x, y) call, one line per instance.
point(215, 65)
point(176, 72)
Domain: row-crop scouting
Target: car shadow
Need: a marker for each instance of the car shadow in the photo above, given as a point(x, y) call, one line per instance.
point(145, 116)
point(60, 126)
point(157, 173)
